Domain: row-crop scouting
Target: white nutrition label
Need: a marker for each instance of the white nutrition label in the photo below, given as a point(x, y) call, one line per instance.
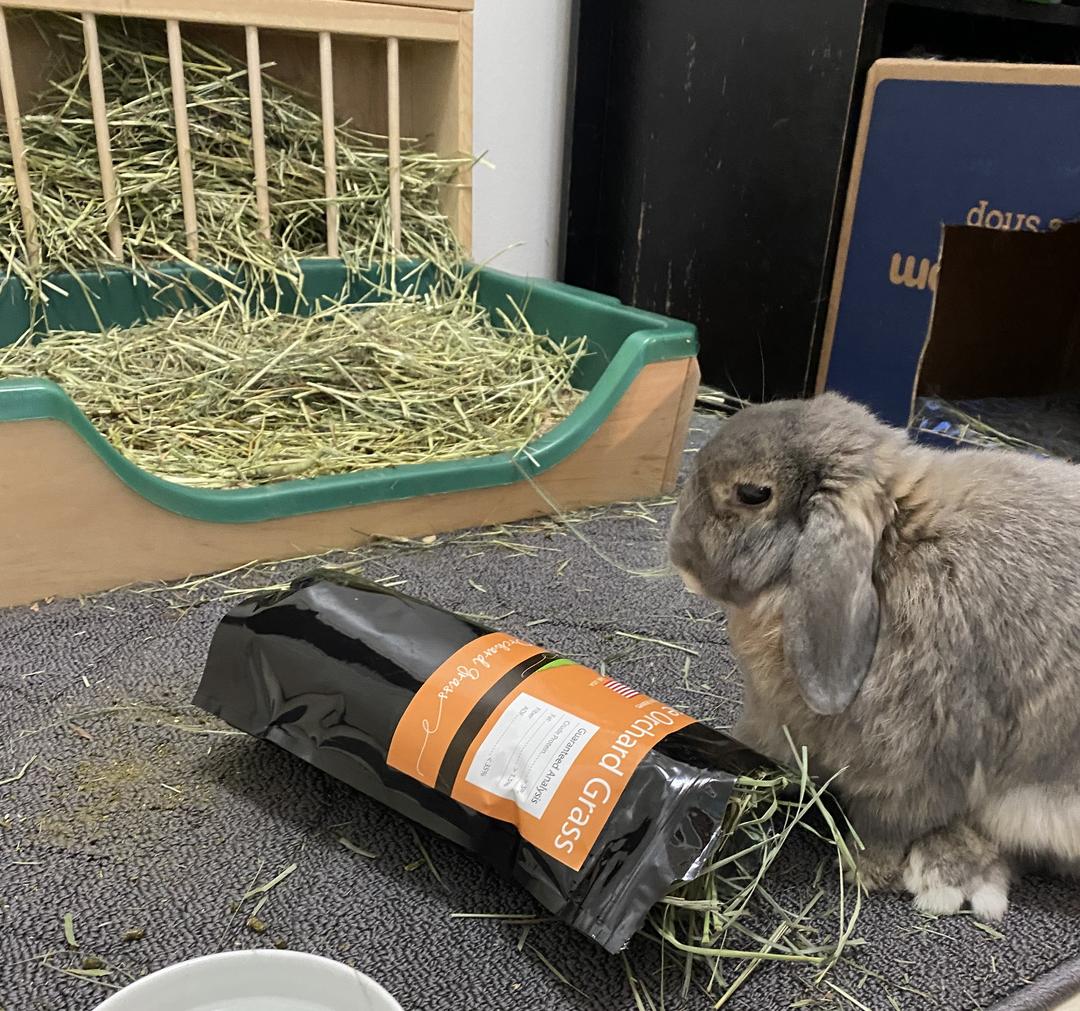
point(528, 752)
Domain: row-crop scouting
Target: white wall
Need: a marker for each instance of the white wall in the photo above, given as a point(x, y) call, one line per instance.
point(519, 103)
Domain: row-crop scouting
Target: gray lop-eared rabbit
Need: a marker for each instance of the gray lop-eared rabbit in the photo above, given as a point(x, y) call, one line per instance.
point(912, 616)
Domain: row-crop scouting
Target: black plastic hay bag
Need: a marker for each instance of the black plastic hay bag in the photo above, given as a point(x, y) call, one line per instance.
point(595, 797)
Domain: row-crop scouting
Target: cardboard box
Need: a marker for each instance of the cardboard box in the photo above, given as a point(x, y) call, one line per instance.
point(994, 149)
point(1005, 325)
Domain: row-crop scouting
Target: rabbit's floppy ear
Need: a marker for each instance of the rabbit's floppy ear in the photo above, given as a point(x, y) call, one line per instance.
point(832, 612)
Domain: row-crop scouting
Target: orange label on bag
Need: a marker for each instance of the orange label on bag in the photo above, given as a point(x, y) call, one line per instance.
point(521, 735)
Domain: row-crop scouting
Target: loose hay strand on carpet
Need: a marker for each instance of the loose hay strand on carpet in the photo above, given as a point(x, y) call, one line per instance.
point(18, 775)
point(272, 883)
point(69, 930)
point(658, 642)
point(560, 976)
point(428, 861)
point(94, 976)
point(358, 850)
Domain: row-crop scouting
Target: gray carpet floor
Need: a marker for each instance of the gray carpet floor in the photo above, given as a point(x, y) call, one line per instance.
point(137, 812)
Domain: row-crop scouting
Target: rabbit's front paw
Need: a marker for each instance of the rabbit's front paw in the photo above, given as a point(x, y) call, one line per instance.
point(878, 866)
point(954, 866)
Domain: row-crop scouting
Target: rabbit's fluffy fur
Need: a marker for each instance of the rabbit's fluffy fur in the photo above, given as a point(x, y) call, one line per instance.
point(912, 616)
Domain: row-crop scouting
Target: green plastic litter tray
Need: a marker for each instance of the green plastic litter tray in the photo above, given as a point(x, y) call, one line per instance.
point(90, 519)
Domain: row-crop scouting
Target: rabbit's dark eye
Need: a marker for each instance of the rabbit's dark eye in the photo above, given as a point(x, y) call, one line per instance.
point(753, 494)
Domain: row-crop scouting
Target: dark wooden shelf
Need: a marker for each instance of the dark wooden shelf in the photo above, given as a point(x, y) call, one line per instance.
point(711, 147)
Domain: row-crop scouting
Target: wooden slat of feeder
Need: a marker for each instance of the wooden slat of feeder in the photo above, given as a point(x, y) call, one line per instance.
point(183, 136)
point(457, 199)
point(393, 118)
point(446, 72)
point(326, 91)
point(258, 132)
point(344, 17)
point(15, 139)
point(101, 133)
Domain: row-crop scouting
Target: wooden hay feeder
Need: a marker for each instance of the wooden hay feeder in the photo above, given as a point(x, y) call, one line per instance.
point(81, 518)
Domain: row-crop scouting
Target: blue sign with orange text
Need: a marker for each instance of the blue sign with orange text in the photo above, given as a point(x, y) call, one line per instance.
point(942, 146)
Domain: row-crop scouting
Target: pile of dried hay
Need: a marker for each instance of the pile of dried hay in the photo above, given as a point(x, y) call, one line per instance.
point(232, 396)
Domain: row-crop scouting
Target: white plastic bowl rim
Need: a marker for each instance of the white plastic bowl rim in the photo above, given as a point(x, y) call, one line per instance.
point(280, 979)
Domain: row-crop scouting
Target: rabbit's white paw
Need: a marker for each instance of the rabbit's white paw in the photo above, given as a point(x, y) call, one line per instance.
point(957, 866)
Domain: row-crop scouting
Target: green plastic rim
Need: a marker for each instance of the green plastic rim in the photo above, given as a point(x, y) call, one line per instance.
point(621, 341)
